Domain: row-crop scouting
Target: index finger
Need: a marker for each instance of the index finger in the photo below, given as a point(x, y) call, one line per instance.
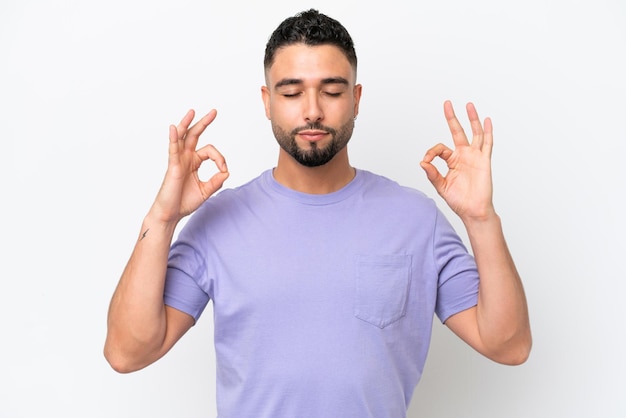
point(458, 134)
point(209, 152)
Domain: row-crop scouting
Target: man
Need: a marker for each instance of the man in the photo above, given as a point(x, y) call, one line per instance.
point(324, 278)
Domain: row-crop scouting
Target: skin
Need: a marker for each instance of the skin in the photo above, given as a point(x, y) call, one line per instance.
point(498, 326)
point(140, 328)
point(307, 85)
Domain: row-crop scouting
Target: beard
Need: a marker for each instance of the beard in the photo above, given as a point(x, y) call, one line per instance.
point(315, 156)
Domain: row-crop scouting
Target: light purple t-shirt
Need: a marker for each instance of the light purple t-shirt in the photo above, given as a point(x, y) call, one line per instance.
point(323, 304)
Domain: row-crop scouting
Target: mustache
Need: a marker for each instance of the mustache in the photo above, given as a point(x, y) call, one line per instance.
point(314, 126)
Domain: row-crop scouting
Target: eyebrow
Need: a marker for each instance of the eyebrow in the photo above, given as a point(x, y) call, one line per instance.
point(292, 81)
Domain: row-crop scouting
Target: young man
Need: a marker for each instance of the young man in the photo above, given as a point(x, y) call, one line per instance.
point(324, 278)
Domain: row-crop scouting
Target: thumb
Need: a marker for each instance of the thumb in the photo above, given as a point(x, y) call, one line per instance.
point(213, 184)
point(433, 175)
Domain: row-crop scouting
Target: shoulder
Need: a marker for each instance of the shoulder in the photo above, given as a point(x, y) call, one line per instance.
point(376, 186)
point(238, 194)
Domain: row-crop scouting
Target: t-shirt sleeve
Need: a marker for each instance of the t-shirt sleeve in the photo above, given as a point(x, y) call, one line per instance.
point(185, 280)
point(458, 275)
point(183, 293)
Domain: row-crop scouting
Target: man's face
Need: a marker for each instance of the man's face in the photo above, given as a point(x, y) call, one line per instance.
point(312, 101)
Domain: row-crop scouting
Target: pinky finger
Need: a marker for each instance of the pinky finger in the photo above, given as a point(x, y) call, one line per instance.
point(173, 143)
point(488, 137)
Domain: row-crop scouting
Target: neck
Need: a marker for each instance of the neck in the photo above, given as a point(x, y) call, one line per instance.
point(324, 179)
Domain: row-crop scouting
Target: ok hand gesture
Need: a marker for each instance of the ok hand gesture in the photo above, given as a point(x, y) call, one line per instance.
point(182, 191)
point(467, 186)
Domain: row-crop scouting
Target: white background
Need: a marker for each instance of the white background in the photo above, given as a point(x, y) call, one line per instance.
point(88, 89)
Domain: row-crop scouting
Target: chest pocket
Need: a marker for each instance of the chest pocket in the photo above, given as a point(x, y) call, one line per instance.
point(382, 288)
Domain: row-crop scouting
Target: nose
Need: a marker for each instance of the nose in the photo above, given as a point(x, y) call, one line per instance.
point(313, 109)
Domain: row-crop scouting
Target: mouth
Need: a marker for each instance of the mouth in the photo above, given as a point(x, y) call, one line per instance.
point(311, 135)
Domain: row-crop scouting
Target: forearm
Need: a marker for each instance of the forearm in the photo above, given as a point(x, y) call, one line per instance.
point(137, 322)
point(502, 312)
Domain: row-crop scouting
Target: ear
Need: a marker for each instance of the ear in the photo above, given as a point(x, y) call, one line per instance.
point(357, 98)
point(265, 95)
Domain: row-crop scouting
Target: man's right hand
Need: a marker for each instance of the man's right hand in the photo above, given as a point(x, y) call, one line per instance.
point(182, 191)
point(140, 328)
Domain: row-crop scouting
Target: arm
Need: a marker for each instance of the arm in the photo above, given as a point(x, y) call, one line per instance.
point(140, 328)
point(498, 326)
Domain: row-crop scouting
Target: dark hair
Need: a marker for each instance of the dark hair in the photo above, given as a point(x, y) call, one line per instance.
point(310, 28)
